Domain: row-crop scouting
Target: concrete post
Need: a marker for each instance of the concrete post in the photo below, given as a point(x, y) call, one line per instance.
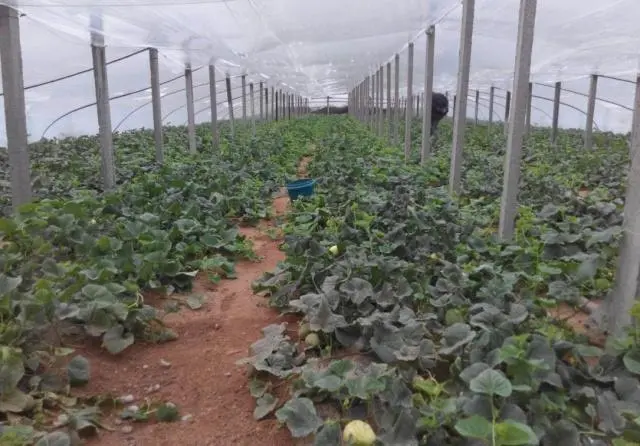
point(191, 114)
point(428, 95)
point(253, 109)
point(529, 108)
point(261, 101)
point(507, 113)
point(591, 108)
point(492, 99)
point(556, 111)
point(396, 95)
point(509, 202)
point(477, 108)
point(409, 114)
point(615, 313)
point(101, 82)
point(460, 115)
point(230, 107)
point(244, 97)
point(213, 103)
point(156, 104)
point(15, 108)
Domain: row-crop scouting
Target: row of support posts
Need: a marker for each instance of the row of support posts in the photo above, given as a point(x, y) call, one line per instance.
point(518, 120)
point(15, 105)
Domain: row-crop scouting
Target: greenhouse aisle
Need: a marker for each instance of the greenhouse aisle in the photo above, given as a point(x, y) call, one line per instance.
point(199, 372)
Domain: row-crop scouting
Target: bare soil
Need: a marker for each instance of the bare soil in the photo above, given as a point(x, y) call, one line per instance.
point(198, 372)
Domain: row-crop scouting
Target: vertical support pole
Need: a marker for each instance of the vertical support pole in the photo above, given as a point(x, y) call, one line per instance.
point(507, 113)
point(328, 99)
point(408, 116)
point(512, 160)
point(374, 101)
point(104, 109)
point(492, 99)
point(261, 101)
point(591, 109)
point(15, 108)
point(389, 112)
point(359, 98)
point(477, 108)
point(244, 97)
point(418, 96)
point(396, 94)
point(381, 102)
point(276, 100)
point(213, 102)
point(617, 307)
point(460, 115)
point(230, 107)
point(267, 116)
point(428, 95)
point(529, 108)
point(273, 104)
point(156, 104)
point(191, 114)
point(556, 112)
point(253, 109)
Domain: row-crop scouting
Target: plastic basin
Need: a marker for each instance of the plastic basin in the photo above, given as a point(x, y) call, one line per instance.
point(301, 188)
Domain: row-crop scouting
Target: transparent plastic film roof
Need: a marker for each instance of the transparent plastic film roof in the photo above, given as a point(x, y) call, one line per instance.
point(315, 49)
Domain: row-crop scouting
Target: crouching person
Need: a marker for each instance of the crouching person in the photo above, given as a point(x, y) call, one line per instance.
point(439, 109)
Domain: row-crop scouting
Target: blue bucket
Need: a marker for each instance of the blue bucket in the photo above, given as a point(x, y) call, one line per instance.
point(301, 188)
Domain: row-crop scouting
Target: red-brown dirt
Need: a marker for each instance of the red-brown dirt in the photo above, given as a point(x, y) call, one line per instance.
point(198, 372)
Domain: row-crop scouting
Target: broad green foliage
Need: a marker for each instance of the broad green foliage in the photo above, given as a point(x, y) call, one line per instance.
point(77, 261)
point(421, 286)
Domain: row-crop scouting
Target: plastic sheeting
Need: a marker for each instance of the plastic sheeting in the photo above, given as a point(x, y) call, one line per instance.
point(316, 49)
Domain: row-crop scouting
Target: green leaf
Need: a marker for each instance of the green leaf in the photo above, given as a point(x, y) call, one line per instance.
point(491, 382)
point(195, 301)
point(300, 416)
point(631, 361)
point(358, 290)
point(98, 292)
point(403, 431)
point(474, 427)
point(513, 433)
point(563, 433)
point(473, 371)
point(57, 438)
point(167, 413)
point(115, 341)
point(328, 435)
point(264, 406)
point(455, 337)
point(587, 269)
point(257, 388)
point(11, 372)
point(8, 284)
point(78, 371)
point(16, 401)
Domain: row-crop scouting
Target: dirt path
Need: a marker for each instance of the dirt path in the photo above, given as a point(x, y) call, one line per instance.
point(198, 372)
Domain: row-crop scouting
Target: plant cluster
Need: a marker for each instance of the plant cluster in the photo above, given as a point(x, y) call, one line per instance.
point(77, 261)
point(426, 324)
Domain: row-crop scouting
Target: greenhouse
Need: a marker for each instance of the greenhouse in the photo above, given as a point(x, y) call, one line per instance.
point(279, 222)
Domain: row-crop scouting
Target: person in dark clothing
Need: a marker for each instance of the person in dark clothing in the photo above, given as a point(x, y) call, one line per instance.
point(439, 109)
